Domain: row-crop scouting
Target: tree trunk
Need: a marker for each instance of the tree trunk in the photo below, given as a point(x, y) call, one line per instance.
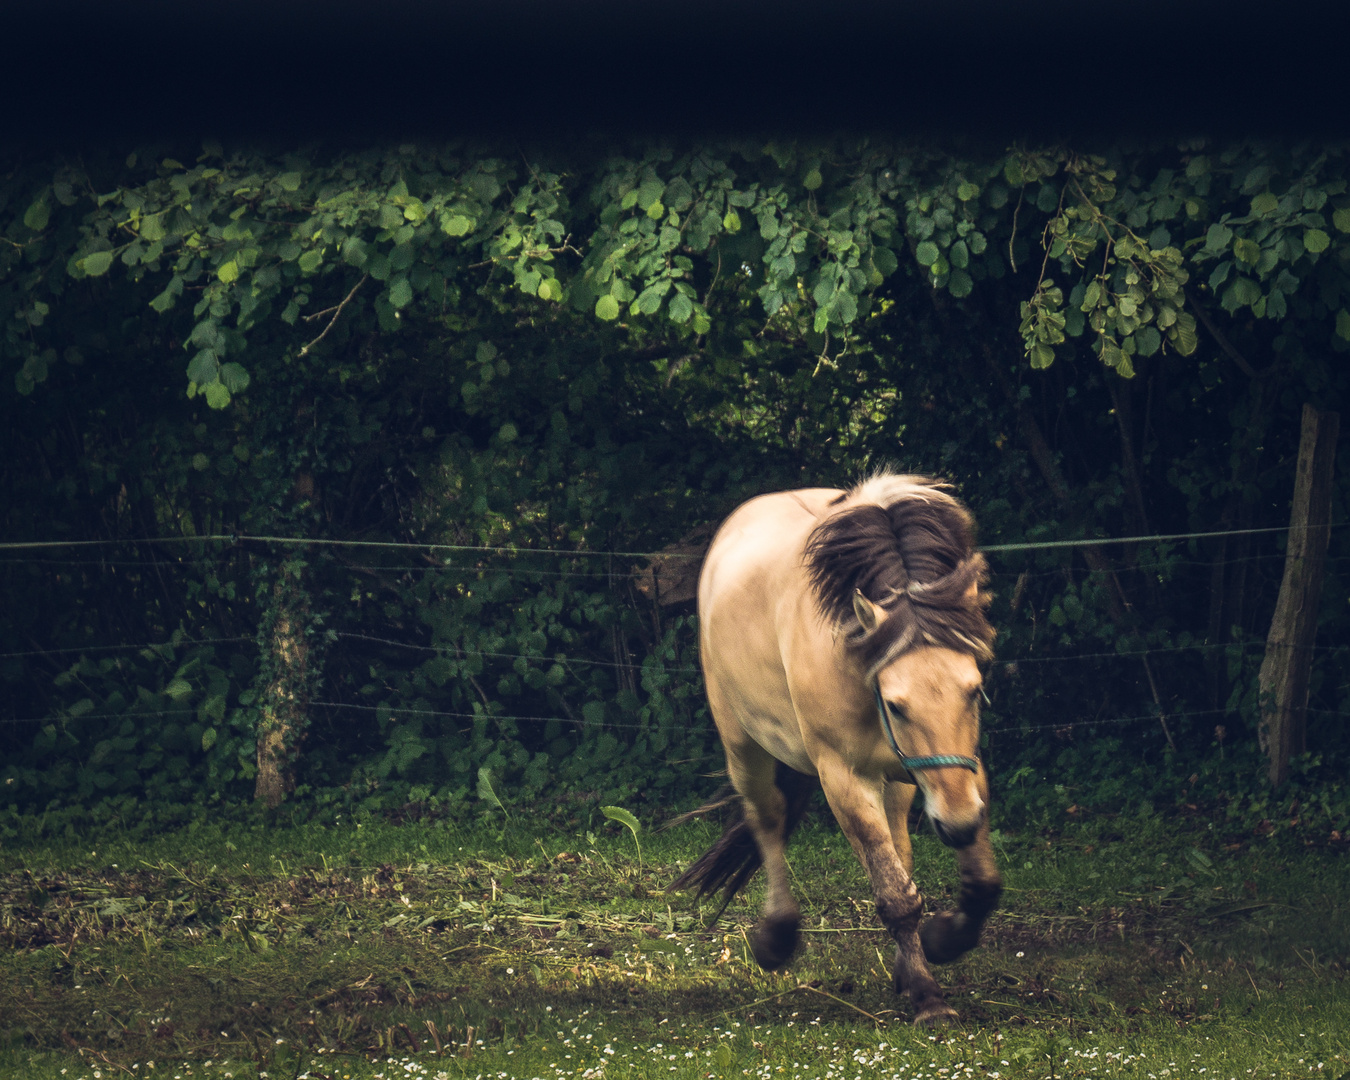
point(285, 697)
point(1288, 660)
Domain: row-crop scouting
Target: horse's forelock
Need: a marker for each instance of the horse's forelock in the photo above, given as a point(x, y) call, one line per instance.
point(914, 557)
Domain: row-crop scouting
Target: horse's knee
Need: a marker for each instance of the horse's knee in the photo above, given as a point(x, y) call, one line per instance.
point(899, 912)
point(978, 898)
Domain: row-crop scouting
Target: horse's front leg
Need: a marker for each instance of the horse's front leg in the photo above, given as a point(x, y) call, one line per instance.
point(860, 807)
point(951, 934)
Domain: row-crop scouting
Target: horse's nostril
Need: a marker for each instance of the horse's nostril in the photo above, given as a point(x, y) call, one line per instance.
point(955, 836)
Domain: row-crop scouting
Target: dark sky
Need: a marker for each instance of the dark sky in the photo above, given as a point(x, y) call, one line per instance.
point(298, 69)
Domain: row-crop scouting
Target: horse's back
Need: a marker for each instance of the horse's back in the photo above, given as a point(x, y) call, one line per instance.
point(759, 548)
point(754, 599)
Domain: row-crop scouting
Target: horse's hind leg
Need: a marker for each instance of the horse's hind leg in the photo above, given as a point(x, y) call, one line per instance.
point(768, 813)
point(951, 934)
point(862, 811)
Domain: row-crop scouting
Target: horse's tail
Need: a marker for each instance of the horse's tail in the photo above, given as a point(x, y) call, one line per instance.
point(733, 860)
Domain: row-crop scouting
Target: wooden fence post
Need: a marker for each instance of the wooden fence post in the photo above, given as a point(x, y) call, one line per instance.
point(1288, 661)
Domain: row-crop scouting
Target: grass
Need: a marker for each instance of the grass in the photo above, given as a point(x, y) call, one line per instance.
point(1154, 949)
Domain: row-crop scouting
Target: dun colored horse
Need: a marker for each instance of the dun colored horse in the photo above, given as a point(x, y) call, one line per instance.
point(840, 633)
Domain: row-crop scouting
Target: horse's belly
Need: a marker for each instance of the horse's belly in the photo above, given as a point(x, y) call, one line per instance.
point(782, 739)
point(759, 708)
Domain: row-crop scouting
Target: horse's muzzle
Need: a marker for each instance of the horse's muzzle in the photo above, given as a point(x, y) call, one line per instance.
point(955, 836)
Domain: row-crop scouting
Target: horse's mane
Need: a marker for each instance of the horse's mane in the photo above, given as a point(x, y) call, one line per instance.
point(909, 547)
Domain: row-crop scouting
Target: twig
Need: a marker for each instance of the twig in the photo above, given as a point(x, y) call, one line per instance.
point(822, 993)
point(336, 312)
point(1157, 700)
point(105, 1059)
point(812, 989)
point(1012, 258)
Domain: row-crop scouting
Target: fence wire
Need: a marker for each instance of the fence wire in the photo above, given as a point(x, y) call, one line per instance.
point(459, 652)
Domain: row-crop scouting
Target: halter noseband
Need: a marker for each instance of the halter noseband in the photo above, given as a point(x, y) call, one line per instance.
point(933, 761)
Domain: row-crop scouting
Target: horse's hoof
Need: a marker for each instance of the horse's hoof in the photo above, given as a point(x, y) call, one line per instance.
point(774, 942)
point(938, 1014)
point(947, 936)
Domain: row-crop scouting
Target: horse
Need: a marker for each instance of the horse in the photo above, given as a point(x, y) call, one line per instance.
point(840, 635)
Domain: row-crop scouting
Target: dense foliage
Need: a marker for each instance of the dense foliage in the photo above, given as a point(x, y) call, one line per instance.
point(548, 364)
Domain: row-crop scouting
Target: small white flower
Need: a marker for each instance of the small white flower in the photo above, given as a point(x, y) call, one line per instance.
point(1020, 954)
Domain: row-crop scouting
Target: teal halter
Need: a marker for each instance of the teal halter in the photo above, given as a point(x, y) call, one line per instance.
point(933, 761)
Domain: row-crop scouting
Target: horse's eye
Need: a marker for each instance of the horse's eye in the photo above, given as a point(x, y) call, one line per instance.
point(897, 712)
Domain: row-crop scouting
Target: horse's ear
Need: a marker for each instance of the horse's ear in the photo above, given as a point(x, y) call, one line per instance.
point(869, 614)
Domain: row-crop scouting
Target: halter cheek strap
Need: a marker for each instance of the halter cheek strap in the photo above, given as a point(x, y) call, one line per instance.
point(933, 761)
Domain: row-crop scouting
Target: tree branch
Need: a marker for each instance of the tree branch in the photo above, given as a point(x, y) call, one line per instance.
point(1219, 336)
point(337, 311)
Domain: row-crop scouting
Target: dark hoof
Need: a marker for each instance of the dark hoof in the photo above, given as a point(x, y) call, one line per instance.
point(947, 936)
point(774, 942)
point(938, 1014)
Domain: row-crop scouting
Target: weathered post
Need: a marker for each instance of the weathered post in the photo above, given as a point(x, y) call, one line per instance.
point(1288, 661)
point(284, 701)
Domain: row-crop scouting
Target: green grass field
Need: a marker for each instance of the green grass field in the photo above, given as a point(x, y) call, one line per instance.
point(1124, 948)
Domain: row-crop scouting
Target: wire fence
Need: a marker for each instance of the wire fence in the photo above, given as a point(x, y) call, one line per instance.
point(454, 651)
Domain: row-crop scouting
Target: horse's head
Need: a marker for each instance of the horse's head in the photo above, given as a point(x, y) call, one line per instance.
point(931, 695)
point(902, 560)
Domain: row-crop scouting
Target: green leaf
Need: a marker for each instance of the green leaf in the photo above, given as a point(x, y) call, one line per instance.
point(204, 368)
point(228, 271)
point(681, 307)
point(217, 396)
point(812, 180)
point(400, 292)
point(1242, 293)
point(289, 181)
point(1147, 340)
point(172, 291)
point(732, 222)
point(1265, 203)
point(607, 308)
point(1247, 251)
point(1185, 338)
point(1343, 323)
point(235, 377)
point(1341, 219)
point(486, 792)
point(180, 688)
point(649, 301)
point(96, 263)
point(37, 215)
point(456, 225)
point(310, 260)
point(927, 253)
point(960, 283)
point(625, 818)
point(1316, 241)
point(1218, 238)
point(209, 737)
point(354, 252)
